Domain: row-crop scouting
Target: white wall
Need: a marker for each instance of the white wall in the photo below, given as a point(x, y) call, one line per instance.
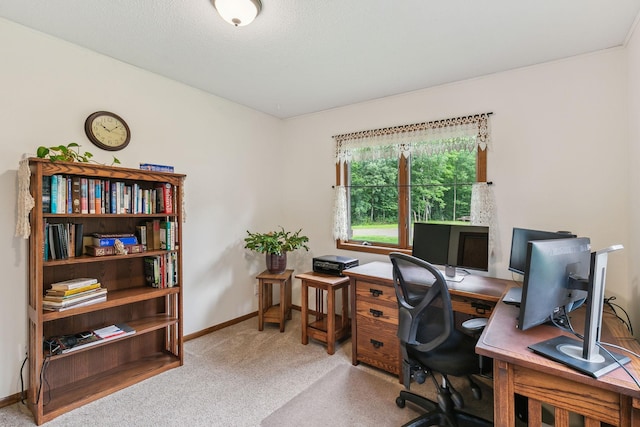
point(47, 89)
point(633, 72)
point(558, 161)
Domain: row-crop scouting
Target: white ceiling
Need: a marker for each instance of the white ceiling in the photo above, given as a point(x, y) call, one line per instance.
point(303, 56)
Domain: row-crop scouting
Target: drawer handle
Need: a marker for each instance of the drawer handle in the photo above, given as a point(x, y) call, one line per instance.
point(375, 292)
point(377, 344)
point(375, 313)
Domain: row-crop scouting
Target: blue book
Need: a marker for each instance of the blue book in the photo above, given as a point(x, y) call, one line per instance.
point(54, 193)
point(110, 241)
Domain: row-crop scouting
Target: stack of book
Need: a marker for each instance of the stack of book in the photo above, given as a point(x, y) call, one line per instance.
point(104, 244)
point(73, 293)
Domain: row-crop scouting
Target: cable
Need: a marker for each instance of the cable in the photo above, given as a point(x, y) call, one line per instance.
point(601, 345)
point(613, 306)
point(22, 391)
point(43, 379)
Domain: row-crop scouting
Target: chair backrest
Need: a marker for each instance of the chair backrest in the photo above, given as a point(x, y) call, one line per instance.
point(425, 314)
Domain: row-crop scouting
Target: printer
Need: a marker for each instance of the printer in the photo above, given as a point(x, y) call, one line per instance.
point(333, 264)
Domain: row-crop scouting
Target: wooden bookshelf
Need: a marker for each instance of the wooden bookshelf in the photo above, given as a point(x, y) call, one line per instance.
point(60, 383)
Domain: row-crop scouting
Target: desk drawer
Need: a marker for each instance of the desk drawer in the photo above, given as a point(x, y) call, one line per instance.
point(377, 312)
point(369, 291)
point(472, 306)
point(378, 345)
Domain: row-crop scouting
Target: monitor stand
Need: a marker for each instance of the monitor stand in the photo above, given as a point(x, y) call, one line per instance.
point(568, 351)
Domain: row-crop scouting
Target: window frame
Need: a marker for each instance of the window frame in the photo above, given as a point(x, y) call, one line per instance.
point(404, 245)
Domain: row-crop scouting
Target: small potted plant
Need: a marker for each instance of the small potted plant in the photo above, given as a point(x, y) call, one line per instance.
point(275, 245)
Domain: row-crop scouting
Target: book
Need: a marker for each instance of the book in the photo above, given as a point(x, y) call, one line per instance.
point(84, 195)
point(92, 195)
point(110, 241)
point(153, 234)
point(93, 250)
point(114, 331)
point(75, 195)
point(165, 198)
point(152, 271)
point(78, 282)
point(54, 194)
point(141, 233)
point(156, 168)
point(72, 295)
point(46, 194)
point(67, 292)
point(52, 301)
point(100, 298)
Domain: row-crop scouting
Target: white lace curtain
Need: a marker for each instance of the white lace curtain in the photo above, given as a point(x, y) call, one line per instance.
point(458, 134)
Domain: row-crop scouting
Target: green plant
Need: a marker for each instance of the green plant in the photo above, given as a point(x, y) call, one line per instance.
point(68, 153)
point(276, 242)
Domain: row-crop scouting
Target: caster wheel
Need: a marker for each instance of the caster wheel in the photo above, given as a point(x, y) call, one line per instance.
point(400, 402)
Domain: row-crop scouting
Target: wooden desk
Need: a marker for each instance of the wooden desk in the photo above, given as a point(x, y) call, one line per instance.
point(374, 311)
point(613, 398)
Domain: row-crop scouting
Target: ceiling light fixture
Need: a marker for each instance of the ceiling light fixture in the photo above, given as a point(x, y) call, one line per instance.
point(238, 12)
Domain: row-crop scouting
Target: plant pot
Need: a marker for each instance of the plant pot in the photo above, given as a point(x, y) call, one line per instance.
point(276, 264)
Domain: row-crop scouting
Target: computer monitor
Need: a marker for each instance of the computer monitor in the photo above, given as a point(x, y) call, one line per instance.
point(519, 240)
point(464, 246)
point(558, 274)
point(549, 265)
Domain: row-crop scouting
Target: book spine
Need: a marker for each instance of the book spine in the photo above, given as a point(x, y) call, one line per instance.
point(54, 193)
point(93, 250)
point(128, 240)
point(75, 195)
point(92, 195)
point(84, 195)
point(69, 201)
point(62, 191)
point(98, 191)
point(46, 194)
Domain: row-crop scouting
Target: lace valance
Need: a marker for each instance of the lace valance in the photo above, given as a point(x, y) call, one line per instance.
point(457, 134)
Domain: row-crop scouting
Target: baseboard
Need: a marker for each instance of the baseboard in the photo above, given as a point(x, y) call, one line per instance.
point(9, 400)
point(226, 324)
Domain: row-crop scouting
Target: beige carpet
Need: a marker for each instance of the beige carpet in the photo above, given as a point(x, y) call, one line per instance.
point(346, 396)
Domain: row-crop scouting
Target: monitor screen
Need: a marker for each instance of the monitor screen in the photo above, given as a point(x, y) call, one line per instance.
point(464, 246)
point(519, 240)
point(549, 265)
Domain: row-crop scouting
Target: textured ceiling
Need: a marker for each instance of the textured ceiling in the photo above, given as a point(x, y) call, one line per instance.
point(303, 56)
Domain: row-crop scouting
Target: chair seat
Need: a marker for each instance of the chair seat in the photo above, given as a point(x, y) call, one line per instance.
point(456, 356)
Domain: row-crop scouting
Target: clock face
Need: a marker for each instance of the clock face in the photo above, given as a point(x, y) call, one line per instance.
point(107, 131)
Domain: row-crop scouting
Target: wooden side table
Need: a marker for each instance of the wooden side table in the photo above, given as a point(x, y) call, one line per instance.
point(328, 327)
point(267, 312)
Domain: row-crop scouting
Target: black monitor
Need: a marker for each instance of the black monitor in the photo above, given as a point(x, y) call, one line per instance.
point(464, 246)
point(519, 240)
point(559, 273)
point(549, 265)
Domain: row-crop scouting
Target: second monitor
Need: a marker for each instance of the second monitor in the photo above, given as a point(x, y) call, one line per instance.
point(464, 246)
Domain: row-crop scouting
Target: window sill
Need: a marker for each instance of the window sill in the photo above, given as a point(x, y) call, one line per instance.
point(359, 247)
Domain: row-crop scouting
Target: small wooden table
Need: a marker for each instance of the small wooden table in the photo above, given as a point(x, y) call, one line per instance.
point(267, 312)
point(328, 327)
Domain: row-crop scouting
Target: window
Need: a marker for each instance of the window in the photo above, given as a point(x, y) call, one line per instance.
point(390, 178)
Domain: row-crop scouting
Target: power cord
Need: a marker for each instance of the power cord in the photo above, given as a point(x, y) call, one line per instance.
point(23, 392)
point(612, 306)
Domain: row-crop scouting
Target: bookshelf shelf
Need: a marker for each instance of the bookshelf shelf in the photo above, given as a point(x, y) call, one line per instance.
point(71, 396)
point(107, 258)
point(73, 379)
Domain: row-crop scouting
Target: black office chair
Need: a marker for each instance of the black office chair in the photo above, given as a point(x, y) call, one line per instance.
point(431, 344)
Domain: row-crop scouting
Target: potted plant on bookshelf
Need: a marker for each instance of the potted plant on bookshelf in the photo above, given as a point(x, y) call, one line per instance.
point(275, 245)
point(68, 153)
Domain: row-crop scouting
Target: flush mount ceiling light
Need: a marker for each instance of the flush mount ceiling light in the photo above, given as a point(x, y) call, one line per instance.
point(238, 12)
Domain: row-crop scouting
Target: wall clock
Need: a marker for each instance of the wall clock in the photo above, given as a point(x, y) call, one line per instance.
point(107, 130)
